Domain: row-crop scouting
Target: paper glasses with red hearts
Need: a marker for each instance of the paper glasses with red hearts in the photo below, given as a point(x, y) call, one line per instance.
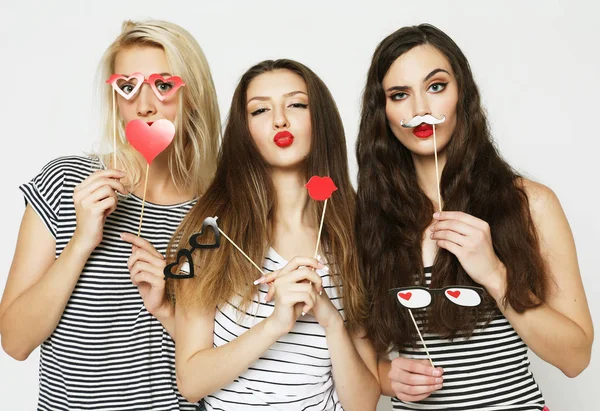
point(421, 297)
point(128, 86)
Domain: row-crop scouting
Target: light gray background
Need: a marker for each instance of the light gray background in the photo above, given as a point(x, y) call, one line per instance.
point(536, 63)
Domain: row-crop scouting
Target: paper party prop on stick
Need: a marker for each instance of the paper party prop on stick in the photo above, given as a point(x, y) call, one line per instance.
point(421, 297)
point(425, 126)
point(127, 87)
point(150, 139)
point(320, 189)
point(186, 270)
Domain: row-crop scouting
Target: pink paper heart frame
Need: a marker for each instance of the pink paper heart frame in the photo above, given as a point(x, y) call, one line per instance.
point(175, 81)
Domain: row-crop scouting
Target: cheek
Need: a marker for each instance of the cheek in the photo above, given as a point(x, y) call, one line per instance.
point(126, 111)
point(168, 111)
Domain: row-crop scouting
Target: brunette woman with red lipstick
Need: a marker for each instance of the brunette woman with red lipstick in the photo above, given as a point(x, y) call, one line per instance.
point(497, 230)
point(293, 340)
point(81, 285)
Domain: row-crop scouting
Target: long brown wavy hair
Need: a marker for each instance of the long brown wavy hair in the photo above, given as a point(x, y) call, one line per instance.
point(243, 197)
point(393, 211)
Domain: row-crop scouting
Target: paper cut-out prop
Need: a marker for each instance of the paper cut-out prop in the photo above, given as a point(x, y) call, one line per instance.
point(150, 141)
point(431, 120)
point(320, 189)
point(162, 87)
point(127, 87)
point(186, 270)
point(421, 297)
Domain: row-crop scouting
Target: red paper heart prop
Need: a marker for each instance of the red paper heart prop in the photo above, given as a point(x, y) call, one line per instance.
point(454, 294)
point(405, 296)
point(150, 141)
point(320, 188)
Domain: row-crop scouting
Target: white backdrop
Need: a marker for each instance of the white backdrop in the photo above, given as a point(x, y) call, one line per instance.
point(537, 65)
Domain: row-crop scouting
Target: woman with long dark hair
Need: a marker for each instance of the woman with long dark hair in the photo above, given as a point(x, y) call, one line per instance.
point(488, 228)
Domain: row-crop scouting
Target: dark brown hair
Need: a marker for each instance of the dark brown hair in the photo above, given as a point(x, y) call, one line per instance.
point(242, 196)
point(393, 211)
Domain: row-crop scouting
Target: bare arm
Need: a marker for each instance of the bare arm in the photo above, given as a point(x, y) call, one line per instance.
point(194, 352)
point(38, 287)
point(354, 364)
point(560, 331)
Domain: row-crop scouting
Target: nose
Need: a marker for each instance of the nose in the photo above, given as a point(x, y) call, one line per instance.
point(146, 102)
point(421, 105)
point(279, 119)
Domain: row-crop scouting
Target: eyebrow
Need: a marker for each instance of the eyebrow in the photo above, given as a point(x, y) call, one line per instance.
point(427, 77)
point(290, 94)
point(165, 74)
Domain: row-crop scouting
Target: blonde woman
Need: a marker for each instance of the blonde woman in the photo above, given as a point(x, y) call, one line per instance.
point(92, 300)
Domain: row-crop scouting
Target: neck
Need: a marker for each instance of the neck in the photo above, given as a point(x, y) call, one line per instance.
point(160, 188)
point(427, 177)
point(292, 200)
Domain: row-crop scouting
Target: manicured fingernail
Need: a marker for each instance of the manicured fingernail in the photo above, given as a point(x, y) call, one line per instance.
point(436, 215)
point(303, 313)
point(439, 380)
point(438, 386)
point(256, 282)
point(436, 373)
point(321, 292)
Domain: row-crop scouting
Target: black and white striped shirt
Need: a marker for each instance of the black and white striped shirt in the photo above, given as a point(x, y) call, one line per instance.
point(489, 371)
point(107, 352)
point(294, 373)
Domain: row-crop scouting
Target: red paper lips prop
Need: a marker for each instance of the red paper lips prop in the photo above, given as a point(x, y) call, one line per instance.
point(320, 188)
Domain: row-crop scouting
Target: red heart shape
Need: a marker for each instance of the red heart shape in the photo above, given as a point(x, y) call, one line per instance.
point(405, 296)
point(150, 141)
point(320, 188)
point(454, 294)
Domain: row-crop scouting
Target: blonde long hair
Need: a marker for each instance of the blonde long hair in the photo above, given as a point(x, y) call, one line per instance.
point(198, 124)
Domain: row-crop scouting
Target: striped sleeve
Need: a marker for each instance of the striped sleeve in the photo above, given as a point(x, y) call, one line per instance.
point(43, 193)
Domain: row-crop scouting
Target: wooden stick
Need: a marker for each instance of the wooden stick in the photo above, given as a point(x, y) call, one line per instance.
point(320, 228)
point(420, 336)
point(240, 250)
point(143, 199)
point(437, 171)
point(114, 130)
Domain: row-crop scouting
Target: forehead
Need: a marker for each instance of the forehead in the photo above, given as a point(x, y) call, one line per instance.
point(275, 84)
point(414, 65)
point(147, 60)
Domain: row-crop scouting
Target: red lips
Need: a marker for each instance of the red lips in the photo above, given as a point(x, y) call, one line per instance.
point(283, 139)
point(423, 131)
point(320, 188)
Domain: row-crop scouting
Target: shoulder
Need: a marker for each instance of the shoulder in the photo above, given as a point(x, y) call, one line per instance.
point(544, 204)
point(543, 201)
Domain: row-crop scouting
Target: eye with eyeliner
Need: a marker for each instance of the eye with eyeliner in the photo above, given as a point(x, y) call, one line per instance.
point(258, 111)
point(439, 84)
point(398, 96)
point(298, 105)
